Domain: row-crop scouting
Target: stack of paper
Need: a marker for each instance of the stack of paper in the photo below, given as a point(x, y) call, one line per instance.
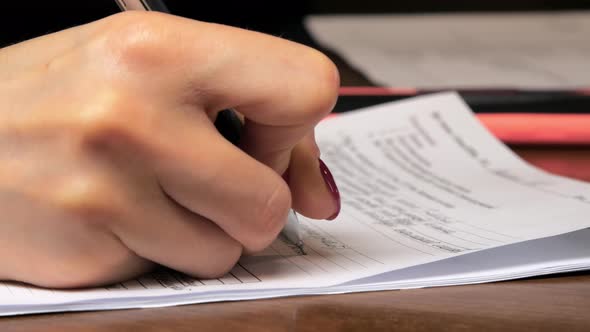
point(430, 198)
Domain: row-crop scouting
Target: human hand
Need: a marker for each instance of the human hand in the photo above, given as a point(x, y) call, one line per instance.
point(110, 162)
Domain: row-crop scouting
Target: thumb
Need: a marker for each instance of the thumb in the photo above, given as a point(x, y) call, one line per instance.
point(313, 188)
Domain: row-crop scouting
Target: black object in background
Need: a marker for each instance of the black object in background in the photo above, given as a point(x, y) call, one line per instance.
point(21, 20)
point(548, 102)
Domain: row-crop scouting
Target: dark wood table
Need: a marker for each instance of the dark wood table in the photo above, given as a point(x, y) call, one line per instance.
point(556, 303)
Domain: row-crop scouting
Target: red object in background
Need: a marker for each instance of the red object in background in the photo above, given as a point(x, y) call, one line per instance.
point(512, 128)
point(527, 128)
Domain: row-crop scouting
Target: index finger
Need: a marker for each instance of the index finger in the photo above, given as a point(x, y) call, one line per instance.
point(281, 87)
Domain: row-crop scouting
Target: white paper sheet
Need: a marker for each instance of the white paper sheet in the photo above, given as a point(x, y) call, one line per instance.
point(423, 184)
point(517, 50)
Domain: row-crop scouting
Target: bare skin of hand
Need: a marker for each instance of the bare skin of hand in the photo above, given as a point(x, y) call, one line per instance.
point(110, 163)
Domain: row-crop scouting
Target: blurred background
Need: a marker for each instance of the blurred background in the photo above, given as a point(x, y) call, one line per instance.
point(25, 19)
point(21, 20)
point(418, 44)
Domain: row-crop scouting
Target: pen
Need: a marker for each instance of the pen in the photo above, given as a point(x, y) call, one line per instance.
point(227, 123)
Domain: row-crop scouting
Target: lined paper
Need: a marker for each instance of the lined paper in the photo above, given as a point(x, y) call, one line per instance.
point(422, 183)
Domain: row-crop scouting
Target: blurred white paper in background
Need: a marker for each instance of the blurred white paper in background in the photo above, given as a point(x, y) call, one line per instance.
point(524, 50)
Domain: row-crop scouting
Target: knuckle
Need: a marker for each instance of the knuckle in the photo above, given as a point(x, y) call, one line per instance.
point(135, 39)
point(270, 217)
point(109, 118)
point(86, 198)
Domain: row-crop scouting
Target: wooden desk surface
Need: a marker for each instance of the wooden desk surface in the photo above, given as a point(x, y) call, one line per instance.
point(539, 304)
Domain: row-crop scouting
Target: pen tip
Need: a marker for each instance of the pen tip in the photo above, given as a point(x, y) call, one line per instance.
point(301, 248)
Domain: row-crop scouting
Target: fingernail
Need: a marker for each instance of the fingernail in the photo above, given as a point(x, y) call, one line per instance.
point(331, 184)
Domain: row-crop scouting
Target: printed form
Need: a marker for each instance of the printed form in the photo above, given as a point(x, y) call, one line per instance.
point(429, 198)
